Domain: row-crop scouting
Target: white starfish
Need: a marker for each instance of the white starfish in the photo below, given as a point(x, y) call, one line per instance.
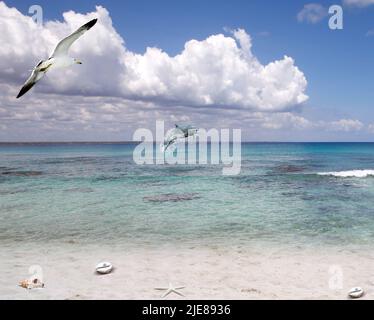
point(171, 289)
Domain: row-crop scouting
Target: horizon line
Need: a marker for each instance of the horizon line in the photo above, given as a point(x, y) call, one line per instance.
point(132, 142)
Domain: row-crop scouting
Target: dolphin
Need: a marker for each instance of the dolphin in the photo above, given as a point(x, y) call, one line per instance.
point(178, 133)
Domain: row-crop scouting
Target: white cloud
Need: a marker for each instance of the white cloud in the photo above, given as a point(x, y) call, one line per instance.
point(215, 82)
point(371, 128)
point(218, 71)
point(358, 3)
point(346, 125)
point(287, 120)
point(277, 121)
point(312, 13)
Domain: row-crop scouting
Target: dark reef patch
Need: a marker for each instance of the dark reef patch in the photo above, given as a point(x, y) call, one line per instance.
point(22, 173)
point(172, 197)
point(10, 192)
point(289, 168)
point(82, 190)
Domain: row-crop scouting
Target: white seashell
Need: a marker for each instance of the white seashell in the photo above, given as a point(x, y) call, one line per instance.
point(356, 292)
point(104, 268)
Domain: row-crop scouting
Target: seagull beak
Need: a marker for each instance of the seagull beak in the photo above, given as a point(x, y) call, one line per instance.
point(78, 62)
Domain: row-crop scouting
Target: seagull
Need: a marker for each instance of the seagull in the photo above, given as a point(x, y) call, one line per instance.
point(171, 289)
point(59, 58)
point(179, 132)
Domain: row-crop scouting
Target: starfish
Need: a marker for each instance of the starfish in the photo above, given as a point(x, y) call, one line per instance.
point(171, 289)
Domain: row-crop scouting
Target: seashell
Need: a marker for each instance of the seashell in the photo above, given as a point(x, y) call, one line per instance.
point(24, 284)
point(356, 292)
point(104, 268)
point(31, 284)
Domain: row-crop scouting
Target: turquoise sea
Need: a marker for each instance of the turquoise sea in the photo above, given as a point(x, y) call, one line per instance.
point(96, 193)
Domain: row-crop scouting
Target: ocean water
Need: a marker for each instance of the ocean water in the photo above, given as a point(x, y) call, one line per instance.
point(296, 194)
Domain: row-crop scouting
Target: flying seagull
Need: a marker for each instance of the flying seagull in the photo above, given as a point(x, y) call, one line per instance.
point(59, 58)
point(178, 133)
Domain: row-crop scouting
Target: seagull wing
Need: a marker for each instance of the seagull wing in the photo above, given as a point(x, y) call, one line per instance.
point(34, 78)
point(64, 45)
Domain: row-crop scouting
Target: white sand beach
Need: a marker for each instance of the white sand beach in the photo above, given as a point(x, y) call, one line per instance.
point(207, 273)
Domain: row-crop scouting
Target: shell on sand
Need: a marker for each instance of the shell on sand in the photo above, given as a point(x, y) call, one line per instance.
point(104, 268)
point(31, 284)
point(356, 292)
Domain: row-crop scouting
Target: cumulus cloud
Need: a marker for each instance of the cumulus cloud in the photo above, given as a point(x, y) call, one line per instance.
point(287, 120)
point(358, 3)
point(312, 13)
point(283, 120)
point(214, 82)
point(218, 71)
point(346, 125)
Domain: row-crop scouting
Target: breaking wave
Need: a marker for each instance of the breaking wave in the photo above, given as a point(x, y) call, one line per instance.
point(349, 173)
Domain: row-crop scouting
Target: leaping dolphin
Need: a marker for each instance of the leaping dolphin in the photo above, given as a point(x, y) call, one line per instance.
point(178, 133)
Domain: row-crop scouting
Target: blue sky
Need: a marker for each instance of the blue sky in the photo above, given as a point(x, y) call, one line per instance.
point(338, 65)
